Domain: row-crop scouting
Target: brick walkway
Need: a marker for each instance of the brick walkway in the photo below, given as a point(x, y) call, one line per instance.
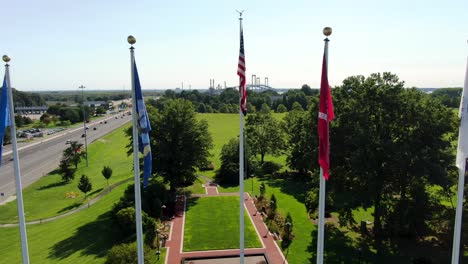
point(175, 242)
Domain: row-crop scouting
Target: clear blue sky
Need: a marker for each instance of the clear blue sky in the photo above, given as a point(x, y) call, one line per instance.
point(59, 45)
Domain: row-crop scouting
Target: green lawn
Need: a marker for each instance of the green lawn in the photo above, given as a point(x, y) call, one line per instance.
point(223, 127)
point(83, 237)
point(289, 195)
point(213, 223)
point(48, 196)
point(196, 187)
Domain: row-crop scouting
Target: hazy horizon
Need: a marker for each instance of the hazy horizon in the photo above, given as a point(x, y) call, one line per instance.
point(60, 45)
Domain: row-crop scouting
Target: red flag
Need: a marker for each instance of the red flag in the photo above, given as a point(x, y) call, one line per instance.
point(241, 73)
point(324, 117)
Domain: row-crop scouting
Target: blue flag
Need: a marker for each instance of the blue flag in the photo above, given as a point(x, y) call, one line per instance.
point(4, 116)
point(143, 130)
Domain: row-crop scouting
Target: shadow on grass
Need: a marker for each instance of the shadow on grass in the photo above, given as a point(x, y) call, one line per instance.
point(70, 207)
point(52, 185)
point(296, 188)
point(95, 191)
point(338, 248)
point(93, 238)
point(191, 202)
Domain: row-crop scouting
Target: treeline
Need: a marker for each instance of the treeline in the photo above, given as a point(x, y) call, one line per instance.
point(448, 96)
point(76, 96)
point(27, 99)
point(227, 101)
point(66, 114)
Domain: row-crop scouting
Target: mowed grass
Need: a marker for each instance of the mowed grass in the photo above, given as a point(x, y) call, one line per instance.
point(83, 237)
point(48, 196)
point(213, 223)
point(289, 195)
point(222, 128)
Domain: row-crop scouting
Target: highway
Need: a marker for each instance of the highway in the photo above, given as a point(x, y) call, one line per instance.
point(41, 156)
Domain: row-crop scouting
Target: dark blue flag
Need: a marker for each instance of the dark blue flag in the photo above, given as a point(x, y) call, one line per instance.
point(4, 116)
point(143, 130)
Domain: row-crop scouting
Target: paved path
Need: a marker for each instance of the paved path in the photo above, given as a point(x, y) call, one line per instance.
point(174, 244)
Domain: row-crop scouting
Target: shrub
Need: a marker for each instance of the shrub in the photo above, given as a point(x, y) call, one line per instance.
point(312, 200)
point(270, 167)
point(208, 167)
point(262, 190)
point(288, 227)
point(272, 226)
point(125, 219)
point(127, 254)
point(272, 205)
point(150, 232)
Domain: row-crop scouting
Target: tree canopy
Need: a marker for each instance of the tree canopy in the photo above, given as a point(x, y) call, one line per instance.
point(264, 134)
point(180, 142)
point(388, 144)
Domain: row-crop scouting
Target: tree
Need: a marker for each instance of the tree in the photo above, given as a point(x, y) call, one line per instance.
point(297, 107)
point(85, 184)
point(107, 173)
point(302, 139)
point(100, 110)
point(273, 205)
point(19, 122)
point(180, 142)
point(68, 173)
point(264, 134)
point(391, 143)
point(288, 227)
point(308, 91)
point(228, 172)
point(281, 108)
point(73, 154)
point(46, 118)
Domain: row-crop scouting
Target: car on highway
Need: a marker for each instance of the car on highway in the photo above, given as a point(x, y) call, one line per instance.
point(68, 141)
point(94, 128)
point(83, 135)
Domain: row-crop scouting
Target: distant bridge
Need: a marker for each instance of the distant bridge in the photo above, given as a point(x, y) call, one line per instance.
point(256, 88)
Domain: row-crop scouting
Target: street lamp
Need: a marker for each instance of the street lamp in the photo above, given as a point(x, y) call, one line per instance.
point(158, 253)
point(163, 207)
point(288, 229)
point(82, 87)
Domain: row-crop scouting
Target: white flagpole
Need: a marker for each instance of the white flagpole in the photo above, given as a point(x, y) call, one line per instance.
point(461, 164)
point(241, 186)
point(241, 162)
point(19, 189)
point(136, 163)
point(321, 219)
point(458, 216)
point(241, 169)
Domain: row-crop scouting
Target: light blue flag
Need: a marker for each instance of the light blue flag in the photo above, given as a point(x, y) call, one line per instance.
point(4, 115)
point(143, 130)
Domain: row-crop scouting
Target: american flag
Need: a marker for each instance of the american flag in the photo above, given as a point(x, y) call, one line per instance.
point(241, 73)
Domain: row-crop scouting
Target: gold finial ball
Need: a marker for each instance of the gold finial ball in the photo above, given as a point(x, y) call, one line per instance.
point(131, 40)
point(327, 31)
point(6, 58)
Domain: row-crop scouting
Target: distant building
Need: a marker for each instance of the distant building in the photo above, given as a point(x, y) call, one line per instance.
point(99, 103)
point(24, 110)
